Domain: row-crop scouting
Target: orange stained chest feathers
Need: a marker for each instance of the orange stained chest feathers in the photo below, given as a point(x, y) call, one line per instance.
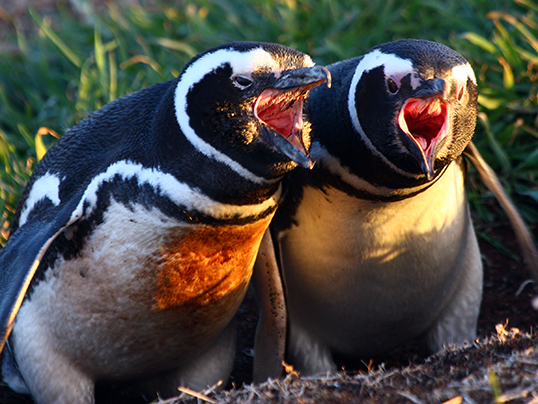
point(209, 266)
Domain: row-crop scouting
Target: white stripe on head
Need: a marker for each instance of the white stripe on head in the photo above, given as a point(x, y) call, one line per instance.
point(178, 192)
point(393, 67)
point(241, 63)
point(464, 72)
point(45, 187)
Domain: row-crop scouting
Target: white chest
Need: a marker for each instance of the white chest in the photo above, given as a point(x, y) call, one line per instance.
point(363, 263)
point(145, 289)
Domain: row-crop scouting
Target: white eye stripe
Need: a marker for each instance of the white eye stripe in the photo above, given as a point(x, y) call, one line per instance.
point(371, 61)
point(464, 72)
point(393, 65)
point(397, 68)
point(240, 62)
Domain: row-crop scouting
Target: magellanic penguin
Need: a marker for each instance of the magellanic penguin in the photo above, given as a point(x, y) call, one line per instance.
point(376, 243)
point(134, 240)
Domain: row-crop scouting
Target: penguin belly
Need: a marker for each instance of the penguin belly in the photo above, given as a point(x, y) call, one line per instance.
point(364, 277)
point(146, 294)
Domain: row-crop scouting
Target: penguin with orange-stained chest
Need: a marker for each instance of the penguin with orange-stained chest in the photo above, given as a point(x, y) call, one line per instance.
point(135, 238)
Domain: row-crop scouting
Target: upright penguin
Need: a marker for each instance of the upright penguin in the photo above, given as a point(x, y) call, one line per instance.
point(135, 238)
point(376, 243)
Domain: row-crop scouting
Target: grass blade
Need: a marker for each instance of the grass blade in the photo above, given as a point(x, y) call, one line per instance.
point(62, 46)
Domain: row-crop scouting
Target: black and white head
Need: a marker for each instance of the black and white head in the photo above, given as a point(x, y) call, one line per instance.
point(414, 103)
point(242, 104)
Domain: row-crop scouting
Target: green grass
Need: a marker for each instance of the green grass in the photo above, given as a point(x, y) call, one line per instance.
point(74, 67)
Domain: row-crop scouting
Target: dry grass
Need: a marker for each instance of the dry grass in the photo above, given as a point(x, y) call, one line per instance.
point(499, 369)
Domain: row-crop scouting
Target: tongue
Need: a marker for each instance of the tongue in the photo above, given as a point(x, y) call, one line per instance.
point(283, 112)
point(425, 122)
point(280, 120)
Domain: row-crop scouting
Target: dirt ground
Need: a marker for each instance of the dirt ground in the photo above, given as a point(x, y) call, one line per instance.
point(501, 367)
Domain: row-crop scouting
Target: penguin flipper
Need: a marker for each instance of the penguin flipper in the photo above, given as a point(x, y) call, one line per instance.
point(21, 256)
point(521, 230)
point(270, 339)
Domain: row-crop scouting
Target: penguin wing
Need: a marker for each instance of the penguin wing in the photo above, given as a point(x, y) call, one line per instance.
point(270, 339)
point(22, 254)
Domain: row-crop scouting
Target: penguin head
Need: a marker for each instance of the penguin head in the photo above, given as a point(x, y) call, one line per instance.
point(415, 103)
point(245, 100)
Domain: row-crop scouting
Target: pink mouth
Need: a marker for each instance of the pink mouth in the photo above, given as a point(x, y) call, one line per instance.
point(283, 111)
point(425, 122)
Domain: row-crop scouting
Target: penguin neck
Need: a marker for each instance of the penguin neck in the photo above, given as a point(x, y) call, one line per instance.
point(329, 172)
point(217, 179)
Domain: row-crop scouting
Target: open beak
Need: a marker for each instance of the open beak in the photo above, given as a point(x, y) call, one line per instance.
point(425, 119)
point(281, 109)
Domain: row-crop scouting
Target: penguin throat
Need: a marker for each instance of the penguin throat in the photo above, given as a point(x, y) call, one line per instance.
point(283, 112)
point(425, 121)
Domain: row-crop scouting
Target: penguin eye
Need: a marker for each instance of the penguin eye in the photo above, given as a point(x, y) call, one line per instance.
point(392, 86)
point(242, 81)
